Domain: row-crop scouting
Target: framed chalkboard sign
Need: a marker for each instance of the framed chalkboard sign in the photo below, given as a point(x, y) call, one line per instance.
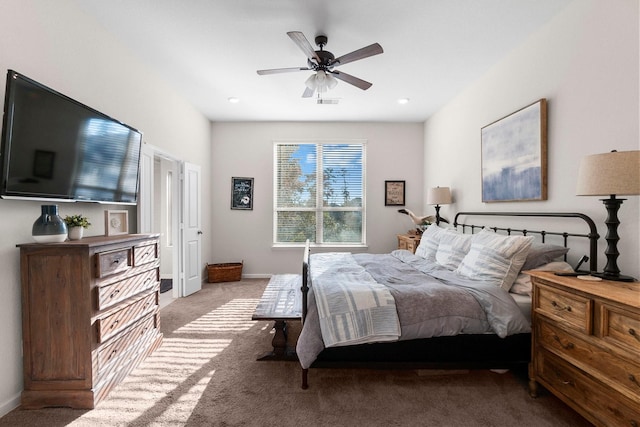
point(242, 193)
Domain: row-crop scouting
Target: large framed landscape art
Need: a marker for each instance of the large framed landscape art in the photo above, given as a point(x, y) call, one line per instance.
point(514, 156)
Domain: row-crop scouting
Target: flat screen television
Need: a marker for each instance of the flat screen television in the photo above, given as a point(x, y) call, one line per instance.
point(55, 148)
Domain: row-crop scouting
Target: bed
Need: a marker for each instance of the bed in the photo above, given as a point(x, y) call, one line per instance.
point(441, 308)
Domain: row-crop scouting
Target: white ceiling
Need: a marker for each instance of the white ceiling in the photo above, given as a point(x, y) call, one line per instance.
point(209, 50)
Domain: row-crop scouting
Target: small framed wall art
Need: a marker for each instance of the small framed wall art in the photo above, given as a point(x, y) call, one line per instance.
point(116, 222)
point(242, 193)
point(394, 193)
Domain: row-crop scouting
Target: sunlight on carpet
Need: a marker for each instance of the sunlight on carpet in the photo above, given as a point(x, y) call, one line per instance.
point(169, 383)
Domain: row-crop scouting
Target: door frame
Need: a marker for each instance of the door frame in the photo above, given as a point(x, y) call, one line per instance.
point(146, 203)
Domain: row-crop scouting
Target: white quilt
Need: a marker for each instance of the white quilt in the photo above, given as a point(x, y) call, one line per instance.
point(353, 308)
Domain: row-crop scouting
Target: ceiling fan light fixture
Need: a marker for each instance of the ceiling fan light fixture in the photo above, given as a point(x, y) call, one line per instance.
point(321, 81)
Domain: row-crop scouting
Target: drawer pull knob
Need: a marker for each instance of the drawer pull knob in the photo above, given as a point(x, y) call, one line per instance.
point(114, 324)
point(633, 423)
point(567, 346)
point(559, 307)
point(632, 332)
point(633, 379)
point(116, 292)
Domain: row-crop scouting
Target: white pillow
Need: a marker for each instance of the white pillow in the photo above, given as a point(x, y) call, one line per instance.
point(496, 258)
point(429, 242)
point(452, 249)
point(522, 285)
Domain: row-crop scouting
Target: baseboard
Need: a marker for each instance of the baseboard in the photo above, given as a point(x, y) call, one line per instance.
point(9, 405)
point(257, 276)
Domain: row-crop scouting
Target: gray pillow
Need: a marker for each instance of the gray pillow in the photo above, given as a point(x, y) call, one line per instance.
point(541, 254)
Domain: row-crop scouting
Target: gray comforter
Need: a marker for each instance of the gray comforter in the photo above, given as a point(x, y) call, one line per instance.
point(430, 301)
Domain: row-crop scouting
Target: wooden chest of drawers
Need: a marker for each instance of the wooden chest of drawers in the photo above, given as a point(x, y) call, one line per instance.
point(90, 316)
point(409, 242)
point(586, 346)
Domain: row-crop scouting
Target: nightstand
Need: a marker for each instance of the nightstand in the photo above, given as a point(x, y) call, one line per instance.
point(409, 242)
point(585, 346)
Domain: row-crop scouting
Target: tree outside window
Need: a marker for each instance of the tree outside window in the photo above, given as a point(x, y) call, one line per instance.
point(319, 192)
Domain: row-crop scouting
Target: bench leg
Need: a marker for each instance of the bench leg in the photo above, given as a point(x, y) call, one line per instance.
point(279, 343)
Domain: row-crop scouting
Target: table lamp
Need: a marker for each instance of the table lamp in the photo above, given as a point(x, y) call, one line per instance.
point(439, 196)
point(610, 174)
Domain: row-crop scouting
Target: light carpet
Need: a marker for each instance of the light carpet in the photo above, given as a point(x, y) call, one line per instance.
point(206, 374)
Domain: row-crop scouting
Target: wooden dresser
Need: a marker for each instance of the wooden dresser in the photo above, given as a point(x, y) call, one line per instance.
point(409, 242)
point(586, 346)
point(90, 315)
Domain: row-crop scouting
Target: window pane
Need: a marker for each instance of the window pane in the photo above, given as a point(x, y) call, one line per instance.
point(342, 227)
point(342, 175)
point(296, 226)
point(296, 175)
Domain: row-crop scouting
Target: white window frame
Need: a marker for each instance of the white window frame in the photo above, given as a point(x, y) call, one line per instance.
point(320, 209)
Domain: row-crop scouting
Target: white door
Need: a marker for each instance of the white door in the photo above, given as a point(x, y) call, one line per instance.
point(191, 232)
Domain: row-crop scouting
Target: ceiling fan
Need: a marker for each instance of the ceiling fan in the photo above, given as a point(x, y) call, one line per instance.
point(323, 63)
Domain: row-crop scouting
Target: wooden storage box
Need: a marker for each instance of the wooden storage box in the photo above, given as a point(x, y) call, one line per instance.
point(227, 272)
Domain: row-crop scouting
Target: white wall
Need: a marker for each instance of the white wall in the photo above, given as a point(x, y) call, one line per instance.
point(585, 62)
point(394, 152)
point(57, 45)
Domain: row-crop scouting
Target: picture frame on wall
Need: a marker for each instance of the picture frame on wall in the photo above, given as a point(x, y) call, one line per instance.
point(514, 156)
point(242, 193)
point(394, 193)
point(116, 222)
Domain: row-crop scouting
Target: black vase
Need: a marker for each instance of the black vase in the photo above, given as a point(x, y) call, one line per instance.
point(49, 227)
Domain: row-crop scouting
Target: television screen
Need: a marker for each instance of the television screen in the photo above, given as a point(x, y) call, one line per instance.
point(54, 147)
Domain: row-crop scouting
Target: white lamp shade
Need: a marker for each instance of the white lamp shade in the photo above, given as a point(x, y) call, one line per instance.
point(616, 173)
point(321, 81)
point(439, 196)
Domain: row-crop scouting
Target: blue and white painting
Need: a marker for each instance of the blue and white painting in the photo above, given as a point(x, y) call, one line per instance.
point(513, 151)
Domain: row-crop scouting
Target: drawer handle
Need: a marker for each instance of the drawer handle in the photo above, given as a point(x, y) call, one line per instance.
point(114, 293)
point(113, 353)
point(567, 346)
point(634, 334)
point(114, 324)
point(633, 423)
point(559, 307)
point(116, 261)
point(568, 382)
point(633, 379)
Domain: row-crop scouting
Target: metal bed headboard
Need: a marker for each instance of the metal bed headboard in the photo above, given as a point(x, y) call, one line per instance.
point(593, 235)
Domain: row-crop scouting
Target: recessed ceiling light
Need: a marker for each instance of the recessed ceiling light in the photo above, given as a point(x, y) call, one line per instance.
point(233, 100)
point(403, 101)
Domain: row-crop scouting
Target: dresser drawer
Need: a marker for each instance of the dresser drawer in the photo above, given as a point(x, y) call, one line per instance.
point(121, 319)
point(113, 353)
point(618, 373)
point(143, 254)
point(112, 262)
point(119, 291)
point(620, 327)
point(571, 310)
point(604, 406)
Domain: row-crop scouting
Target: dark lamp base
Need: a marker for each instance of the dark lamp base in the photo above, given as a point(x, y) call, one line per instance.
point(614, 277)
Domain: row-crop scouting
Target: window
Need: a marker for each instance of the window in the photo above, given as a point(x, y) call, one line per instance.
point(319, 192)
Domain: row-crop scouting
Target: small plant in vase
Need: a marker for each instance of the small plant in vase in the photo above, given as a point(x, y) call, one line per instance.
point(76, 225)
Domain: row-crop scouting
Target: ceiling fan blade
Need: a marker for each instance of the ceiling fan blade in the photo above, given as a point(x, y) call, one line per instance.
point(365, 52)
point(304, 45)
point(362, 84)
point(308, 92)
point(282, 70)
